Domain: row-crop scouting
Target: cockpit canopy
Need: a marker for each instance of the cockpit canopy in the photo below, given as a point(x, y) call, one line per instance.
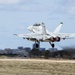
point(36, 24)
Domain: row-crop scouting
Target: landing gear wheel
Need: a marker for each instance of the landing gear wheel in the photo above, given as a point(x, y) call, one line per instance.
point(37, 45)
point(52, 45)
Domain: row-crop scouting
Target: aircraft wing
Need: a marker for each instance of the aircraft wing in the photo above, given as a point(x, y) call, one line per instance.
point(66, 35)
point(20, 35)
point(32, 37)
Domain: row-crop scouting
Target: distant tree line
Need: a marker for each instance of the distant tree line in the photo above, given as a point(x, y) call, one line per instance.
point(66, 54)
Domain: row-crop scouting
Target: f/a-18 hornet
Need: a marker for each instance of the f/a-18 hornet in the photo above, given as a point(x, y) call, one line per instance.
point(39, 33)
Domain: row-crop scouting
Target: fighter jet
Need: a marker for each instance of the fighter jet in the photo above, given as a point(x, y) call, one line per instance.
point(41, 34)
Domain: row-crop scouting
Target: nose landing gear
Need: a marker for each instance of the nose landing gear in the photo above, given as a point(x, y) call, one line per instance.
point(36, 45)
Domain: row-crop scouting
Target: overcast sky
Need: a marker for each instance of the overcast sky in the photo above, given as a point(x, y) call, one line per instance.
point(17, 15)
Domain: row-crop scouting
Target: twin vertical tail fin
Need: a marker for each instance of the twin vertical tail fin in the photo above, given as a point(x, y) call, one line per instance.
point(43, 29)
point(58, 28)
point(44, 33)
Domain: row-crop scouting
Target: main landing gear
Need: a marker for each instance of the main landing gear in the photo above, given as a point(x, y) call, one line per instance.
point(52, 44)
point(36, 45)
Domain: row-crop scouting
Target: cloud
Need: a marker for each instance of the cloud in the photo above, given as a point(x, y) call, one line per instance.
point(72, 10)
point(9, 1)
point(17, 1)
point(52, 7)
point(65, 7)
point(26, 5)
point(18, 5)
point(69, 6)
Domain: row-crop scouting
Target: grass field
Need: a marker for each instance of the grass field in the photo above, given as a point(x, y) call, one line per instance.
point(18, 67)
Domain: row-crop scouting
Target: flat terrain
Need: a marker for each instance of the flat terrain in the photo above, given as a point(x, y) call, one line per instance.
point(36, 67)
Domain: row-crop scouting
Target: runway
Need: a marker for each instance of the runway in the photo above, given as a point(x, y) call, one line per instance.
point(37, 67)
point(41, 60)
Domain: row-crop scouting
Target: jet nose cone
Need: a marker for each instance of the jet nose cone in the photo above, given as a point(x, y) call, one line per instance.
point(30, 28)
